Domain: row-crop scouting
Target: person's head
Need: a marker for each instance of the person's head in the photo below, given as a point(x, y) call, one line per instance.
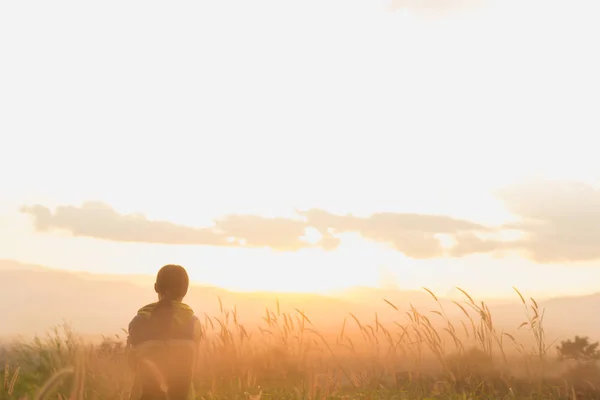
point(172, 282)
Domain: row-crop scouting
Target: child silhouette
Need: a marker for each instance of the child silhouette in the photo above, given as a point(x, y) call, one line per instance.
point(163, 341)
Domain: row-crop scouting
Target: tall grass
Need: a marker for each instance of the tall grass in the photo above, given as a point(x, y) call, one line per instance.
point(420, 355)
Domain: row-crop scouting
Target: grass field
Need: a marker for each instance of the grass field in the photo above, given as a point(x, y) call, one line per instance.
point(420, 356)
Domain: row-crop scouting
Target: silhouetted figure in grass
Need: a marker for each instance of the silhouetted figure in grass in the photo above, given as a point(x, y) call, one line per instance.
point(163, 341)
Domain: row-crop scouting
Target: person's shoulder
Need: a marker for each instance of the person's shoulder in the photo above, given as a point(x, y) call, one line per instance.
point(136, 329)
point(142, 315)
point(198, 329)
point(185, 308)
point(193, 321)
point(146, 310)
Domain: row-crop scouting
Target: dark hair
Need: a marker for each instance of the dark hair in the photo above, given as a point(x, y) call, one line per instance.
point(172, 282)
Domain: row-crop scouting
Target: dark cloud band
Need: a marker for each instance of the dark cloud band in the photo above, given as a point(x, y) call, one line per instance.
point(412, 234)
point(558, 222)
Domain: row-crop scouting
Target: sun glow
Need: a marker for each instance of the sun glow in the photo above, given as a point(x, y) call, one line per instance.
point(354, 263)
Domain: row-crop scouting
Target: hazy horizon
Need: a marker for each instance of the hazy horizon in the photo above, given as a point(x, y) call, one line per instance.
point(35, 299)
point(146, 280)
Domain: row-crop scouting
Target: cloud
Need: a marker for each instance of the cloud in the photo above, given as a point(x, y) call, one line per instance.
point(415, 235)
point(557, 222)
point(412, 234)
point(468, 243)
point(100, 221)
point(561, 220)
point(253, 231)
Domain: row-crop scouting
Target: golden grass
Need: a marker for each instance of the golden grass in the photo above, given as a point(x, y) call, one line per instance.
point(418, 356)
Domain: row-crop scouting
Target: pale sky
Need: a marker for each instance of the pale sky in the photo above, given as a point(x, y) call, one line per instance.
point(185, 113)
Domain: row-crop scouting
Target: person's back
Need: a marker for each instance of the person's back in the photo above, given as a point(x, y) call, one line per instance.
point(163, 339)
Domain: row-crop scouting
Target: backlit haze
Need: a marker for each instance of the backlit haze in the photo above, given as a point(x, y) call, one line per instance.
point(307, 146)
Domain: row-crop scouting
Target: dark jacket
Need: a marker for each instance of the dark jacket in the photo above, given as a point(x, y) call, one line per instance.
point(163, 341)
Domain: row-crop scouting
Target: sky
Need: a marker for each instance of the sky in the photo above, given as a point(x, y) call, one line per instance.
point(305, 146)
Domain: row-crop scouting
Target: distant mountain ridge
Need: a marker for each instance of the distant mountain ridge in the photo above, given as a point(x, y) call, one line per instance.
point(34, 298)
